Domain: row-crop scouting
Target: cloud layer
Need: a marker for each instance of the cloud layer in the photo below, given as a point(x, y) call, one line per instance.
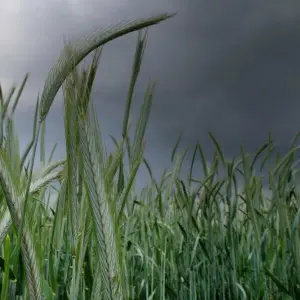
point(229, 68)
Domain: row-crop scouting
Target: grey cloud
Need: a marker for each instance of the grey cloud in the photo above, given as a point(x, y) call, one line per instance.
point(227, 67)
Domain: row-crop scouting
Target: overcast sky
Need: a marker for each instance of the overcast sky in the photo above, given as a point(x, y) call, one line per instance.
point(229, 67)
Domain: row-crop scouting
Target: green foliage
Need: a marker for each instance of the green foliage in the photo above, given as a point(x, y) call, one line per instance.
point(103, 239)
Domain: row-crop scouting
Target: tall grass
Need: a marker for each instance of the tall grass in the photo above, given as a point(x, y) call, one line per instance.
point(106, 240)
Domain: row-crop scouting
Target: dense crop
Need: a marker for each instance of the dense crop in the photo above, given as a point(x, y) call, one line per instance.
point(105, 240)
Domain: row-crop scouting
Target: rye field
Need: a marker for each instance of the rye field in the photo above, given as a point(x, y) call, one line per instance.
point(214, 237)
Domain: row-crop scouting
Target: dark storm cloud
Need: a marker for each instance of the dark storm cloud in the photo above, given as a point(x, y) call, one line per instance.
point(232, 70)
point(229, 67)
